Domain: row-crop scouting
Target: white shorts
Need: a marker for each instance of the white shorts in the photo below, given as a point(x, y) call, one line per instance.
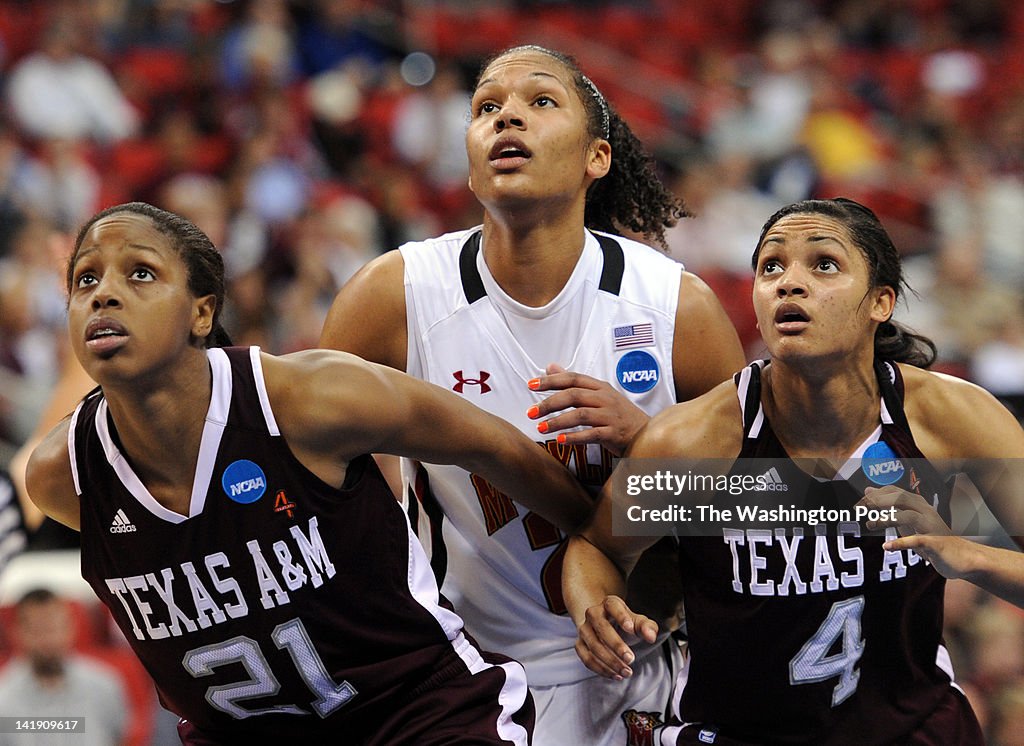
point(602, 712)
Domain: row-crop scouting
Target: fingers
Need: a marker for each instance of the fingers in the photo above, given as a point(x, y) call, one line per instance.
point(906, 511)
point(600, 645)
point(913, 541)
point(558, 379)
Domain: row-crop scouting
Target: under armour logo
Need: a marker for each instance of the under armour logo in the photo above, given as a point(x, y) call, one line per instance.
point(463, 381)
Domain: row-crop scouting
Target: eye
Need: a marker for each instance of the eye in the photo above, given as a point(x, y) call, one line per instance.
point(545, 102)
point(85, 279)
point(487, 107)
point(827, 265)
point(770, 267)
point(143, 274)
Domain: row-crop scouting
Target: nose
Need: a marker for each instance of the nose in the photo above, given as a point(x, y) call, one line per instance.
point(510, 116)
point(792, 282)
point(106, 294)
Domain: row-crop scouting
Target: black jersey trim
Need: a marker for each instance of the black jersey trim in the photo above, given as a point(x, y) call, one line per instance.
point(614, 264)
point(472, 284)
point(892, 392)
point(752, 403)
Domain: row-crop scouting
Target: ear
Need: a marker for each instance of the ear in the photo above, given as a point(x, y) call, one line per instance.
point(202, 316)
point(599, 158)
point(884, 304)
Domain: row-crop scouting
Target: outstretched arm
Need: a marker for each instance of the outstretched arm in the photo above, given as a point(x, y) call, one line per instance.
point(332, 407)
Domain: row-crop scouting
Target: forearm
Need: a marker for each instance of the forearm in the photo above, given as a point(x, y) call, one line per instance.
point(588, 577)
point(535, 480)
point(996, 570)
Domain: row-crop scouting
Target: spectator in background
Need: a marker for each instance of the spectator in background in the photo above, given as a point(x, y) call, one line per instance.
point(57, 92)
point(48, 679)
point(430, 130)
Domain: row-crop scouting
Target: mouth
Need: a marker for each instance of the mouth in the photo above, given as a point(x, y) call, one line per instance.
point(508, 153)
point(105, 336)
point(790, 318)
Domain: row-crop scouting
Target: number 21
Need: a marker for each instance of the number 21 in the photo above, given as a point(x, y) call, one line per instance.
point(290, 636)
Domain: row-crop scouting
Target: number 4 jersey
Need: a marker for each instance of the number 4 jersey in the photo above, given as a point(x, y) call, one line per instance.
point(798, 635)
point(280, 608)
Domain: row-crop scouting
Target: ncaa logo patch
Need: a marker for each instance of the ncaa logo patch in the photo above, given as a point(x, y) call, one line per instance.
point(707, 735)
point(881, 465)
point(637, 371)
point(244, 482)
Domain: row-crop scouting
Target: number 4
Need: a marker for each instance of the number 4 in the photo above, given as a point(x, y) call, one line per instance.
point(813, 663)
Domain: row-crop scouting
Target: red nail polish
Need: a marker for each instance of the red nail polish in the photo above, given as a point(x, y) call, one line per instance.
point(533, 383)
point(561, 438)
point(542, 427)
point(533, 412)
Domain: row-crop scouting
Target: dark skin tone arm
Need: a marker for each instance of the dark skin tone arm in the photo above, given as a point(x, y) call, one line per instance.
point(361, 407)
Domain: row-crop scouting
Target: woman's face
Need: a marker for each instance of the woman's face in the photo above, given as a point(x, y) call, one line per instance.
point(811, 290)
point(528, 138)
point(130, 310)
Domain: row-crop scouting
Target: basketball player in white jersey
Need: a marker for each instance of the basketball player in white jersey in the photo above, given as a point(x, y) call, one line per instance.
point(572, 334)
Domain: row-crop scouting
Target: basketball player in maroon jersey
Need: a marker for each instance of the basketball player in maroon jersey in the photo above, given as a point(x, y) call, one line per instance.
point(813, 639)
point(249, 550)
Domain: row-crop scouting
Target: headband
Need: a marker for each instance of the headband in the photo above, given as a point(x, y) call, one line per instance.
point(605, 119)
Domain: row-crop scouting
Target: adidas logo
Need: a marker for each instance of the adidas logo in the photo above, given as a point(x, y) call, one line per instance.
point(770, 481)
point(121, 524)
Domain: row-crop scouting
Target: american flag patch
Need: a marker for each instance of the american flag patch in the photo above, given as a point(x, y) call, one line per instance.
point(633, 335)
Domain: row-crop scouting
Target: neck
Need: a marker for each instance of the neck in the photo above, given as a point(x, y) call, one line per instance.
point(160, 423)
point(824, 413)
point(532, 264)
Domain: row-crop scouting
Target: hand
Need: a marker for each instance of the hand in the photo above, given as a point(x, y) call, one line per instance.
point(600, 645)
point(612, 419)
point(951, 556)
point(913, 514)
point(921, 528)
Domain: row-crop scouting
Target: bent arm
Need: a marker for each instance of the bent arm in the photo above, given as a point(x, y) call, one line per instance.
point(705, 349)
point(48, 478)
point(361, 407)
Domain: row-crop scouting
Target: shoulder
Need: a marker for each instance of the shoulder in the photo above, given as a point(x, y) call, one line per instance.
point(368, 313)
point(709, 426)
point(434, 259)
point(311, 375)
point(48, 476)
point(954, 418)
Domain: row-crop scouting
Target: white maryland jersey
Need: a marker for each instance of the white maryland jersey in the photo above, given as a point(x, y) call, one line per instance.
point(500, 564)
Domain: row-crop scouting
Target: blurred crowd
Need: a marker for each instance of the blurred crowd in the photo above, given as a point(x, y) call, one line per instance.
point(307, 137)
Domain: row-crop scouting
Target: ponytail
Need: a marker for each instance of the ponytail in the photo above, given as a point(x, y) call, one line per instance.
point(894, 341)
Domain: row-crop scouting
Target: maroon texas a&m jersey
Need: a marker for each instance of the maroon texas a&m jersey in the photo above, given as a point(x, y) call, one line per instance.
point(280, 607)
